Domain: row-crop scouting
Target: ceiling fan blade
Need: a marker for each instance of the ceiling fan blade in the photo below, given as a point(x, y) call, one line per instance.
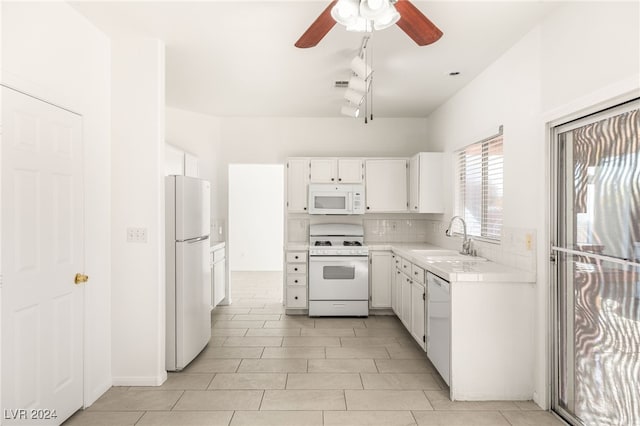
point(318, 29)
point(416, 25)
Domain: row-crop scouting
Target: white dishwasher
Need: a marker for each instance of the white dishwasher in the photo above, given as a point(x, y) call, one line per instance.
point(439, 325)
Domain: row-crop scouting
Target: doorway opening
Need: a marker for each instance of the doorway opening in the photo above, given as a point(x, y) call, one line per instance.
point(256, 234)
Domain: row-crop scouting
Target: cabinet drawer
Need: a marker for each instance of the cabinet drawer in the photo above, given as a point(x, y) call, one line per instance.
point(296, 257)
point(417, 273)
point(296, 268)
point(296, 279)
point(296, 297)
point(406, 266)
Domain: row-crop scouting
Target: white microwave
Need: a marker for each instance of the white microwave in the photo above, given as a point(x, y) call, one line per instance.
point(336, 199)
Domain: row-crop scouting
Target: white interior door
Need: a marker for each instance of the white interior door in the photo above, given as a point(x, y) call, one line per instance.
point(42, 250)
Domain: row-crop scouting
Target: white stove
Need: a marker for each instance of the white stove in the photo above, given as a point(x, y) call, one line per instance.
point(337, 240)
point(338, 270)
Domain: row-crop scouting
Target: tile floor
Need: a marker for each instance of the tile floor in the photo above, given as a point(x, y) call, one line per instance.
point(263, 367)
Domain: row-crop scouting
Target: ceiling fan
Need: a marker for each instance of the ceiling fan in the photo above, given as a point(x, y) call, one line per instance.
point(400, 12)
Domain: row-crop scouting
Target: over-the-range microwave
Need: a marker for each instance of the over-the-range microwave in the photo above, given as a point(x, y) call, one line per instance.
point(336, 198)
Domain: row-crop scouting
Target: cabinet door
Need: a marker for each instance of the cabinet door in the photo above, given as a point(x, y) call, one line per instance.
point(324, 170)
point(396, 292)
point(430, 195)
point(297, 184)
point(417, 314)
point(380, 273)
point(219, 284)
point(349, 170)
point(406, 302)
point(190, 165)
point(386, 183)
point(173, 160)
point(414, 184)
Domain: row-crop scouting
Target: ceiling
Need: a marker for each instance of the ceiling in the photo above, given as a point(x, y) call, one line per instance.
point(237, 58)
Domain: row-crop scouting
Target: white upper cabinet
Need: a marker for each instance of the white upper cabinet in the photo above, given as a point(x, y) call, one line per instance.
point(349, 170)
point(190, 165)
point(297, 183)
point(425, 183)
point(173, 160)
point(179, 162)
point(386, 183)
point(336, 170)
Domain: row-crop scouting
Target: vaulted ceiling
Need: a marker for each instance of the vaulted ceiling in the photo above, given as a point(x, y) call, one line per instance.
point(237, 58)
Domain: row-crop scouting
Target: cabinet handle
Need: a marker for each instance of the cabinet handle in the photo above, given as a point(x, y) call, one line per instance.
point(297, 257)
point(295, 269)
point(339, 179)
point(304, 208)
point(404, 266)
point(415, 273)
point(295, 297)
point(368, 208)
point(332, 179)
point(415, 207)
point(295, 281)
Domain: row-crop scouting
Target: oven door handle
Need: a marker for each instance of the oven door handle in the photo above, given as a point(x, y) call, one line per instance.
point(338, 259)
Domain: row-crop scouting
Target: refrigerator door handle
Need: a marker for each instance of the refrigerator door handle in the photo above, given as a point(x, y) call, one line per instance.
point(194, 240)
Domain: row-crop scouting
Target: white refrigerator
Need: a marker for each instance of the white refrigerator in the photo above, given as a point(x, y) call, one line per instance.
point(188, 274)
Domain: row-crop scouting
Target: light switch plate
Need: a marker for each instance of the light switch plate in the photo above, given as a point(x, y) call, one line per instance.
point(136, 235)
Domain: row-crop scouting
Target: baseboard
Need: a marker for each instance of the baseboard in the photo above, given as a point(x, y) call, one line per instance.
point(140, 380)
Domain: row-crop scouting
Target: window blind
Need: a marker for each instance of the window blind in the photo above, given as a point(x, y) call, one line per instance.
point(479, 188)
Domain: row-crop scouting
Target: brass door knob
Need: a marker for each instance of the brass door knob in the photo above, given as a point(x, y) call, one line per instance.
point(81, 278)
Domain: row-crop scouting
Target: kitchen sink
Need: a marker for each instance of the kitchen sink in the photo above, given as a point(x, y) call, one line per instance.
point(431, 253)
point(446, 256)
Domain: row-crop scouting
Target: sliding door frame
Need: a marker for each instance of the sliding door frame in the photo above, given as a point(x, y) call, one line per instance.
point(557, 205)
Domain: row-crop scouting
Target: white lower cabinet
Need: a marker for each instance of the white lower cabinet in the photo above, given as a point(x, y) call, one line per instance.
point(405, 291)
point(218, 277)
point(418, 303)
point(380, 277)
point(409, 298)
point(296, 279)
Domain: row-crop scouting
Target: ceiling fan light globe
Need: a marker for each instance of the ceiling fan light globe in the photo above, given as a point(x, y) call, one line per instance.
point(354, 98)
point(350, 111)
point(360, 25)
point(372, 8)
point(345, 11)
point(386, 19)
point(358, 84)
point(360, 67)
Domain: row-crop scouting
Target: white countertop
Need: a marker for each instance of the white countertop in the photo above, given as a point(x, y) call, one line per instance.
point(297, 246)
point(217, 245)
point(464, 271)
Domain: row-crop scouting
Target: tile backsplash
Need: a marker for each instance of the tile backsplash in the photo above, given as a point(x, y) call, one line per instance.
point(395, 230)
point(516, 249)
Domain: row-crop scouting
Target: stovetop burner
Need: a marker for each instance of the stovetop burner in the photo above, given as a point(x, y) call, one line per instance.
point(322, 243)
point(352, 243)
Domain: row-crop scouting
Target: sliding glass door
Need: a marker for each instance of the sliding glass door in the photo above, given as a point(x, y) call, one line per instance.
point(596, 253)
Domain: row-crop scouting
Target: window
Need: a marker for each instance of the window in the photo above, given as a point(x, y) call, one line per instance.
point(479, 188)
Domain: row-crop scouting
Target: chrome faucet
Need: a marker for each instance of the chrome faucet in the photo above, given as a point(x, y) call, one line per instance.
point(466, 242)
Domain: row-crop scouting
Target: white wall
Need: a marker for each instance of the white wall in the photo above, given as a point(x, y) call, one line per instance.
point(270, 140)
point(52, 52)
point(582, 55)
point(138, 201)
point(256, 217)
